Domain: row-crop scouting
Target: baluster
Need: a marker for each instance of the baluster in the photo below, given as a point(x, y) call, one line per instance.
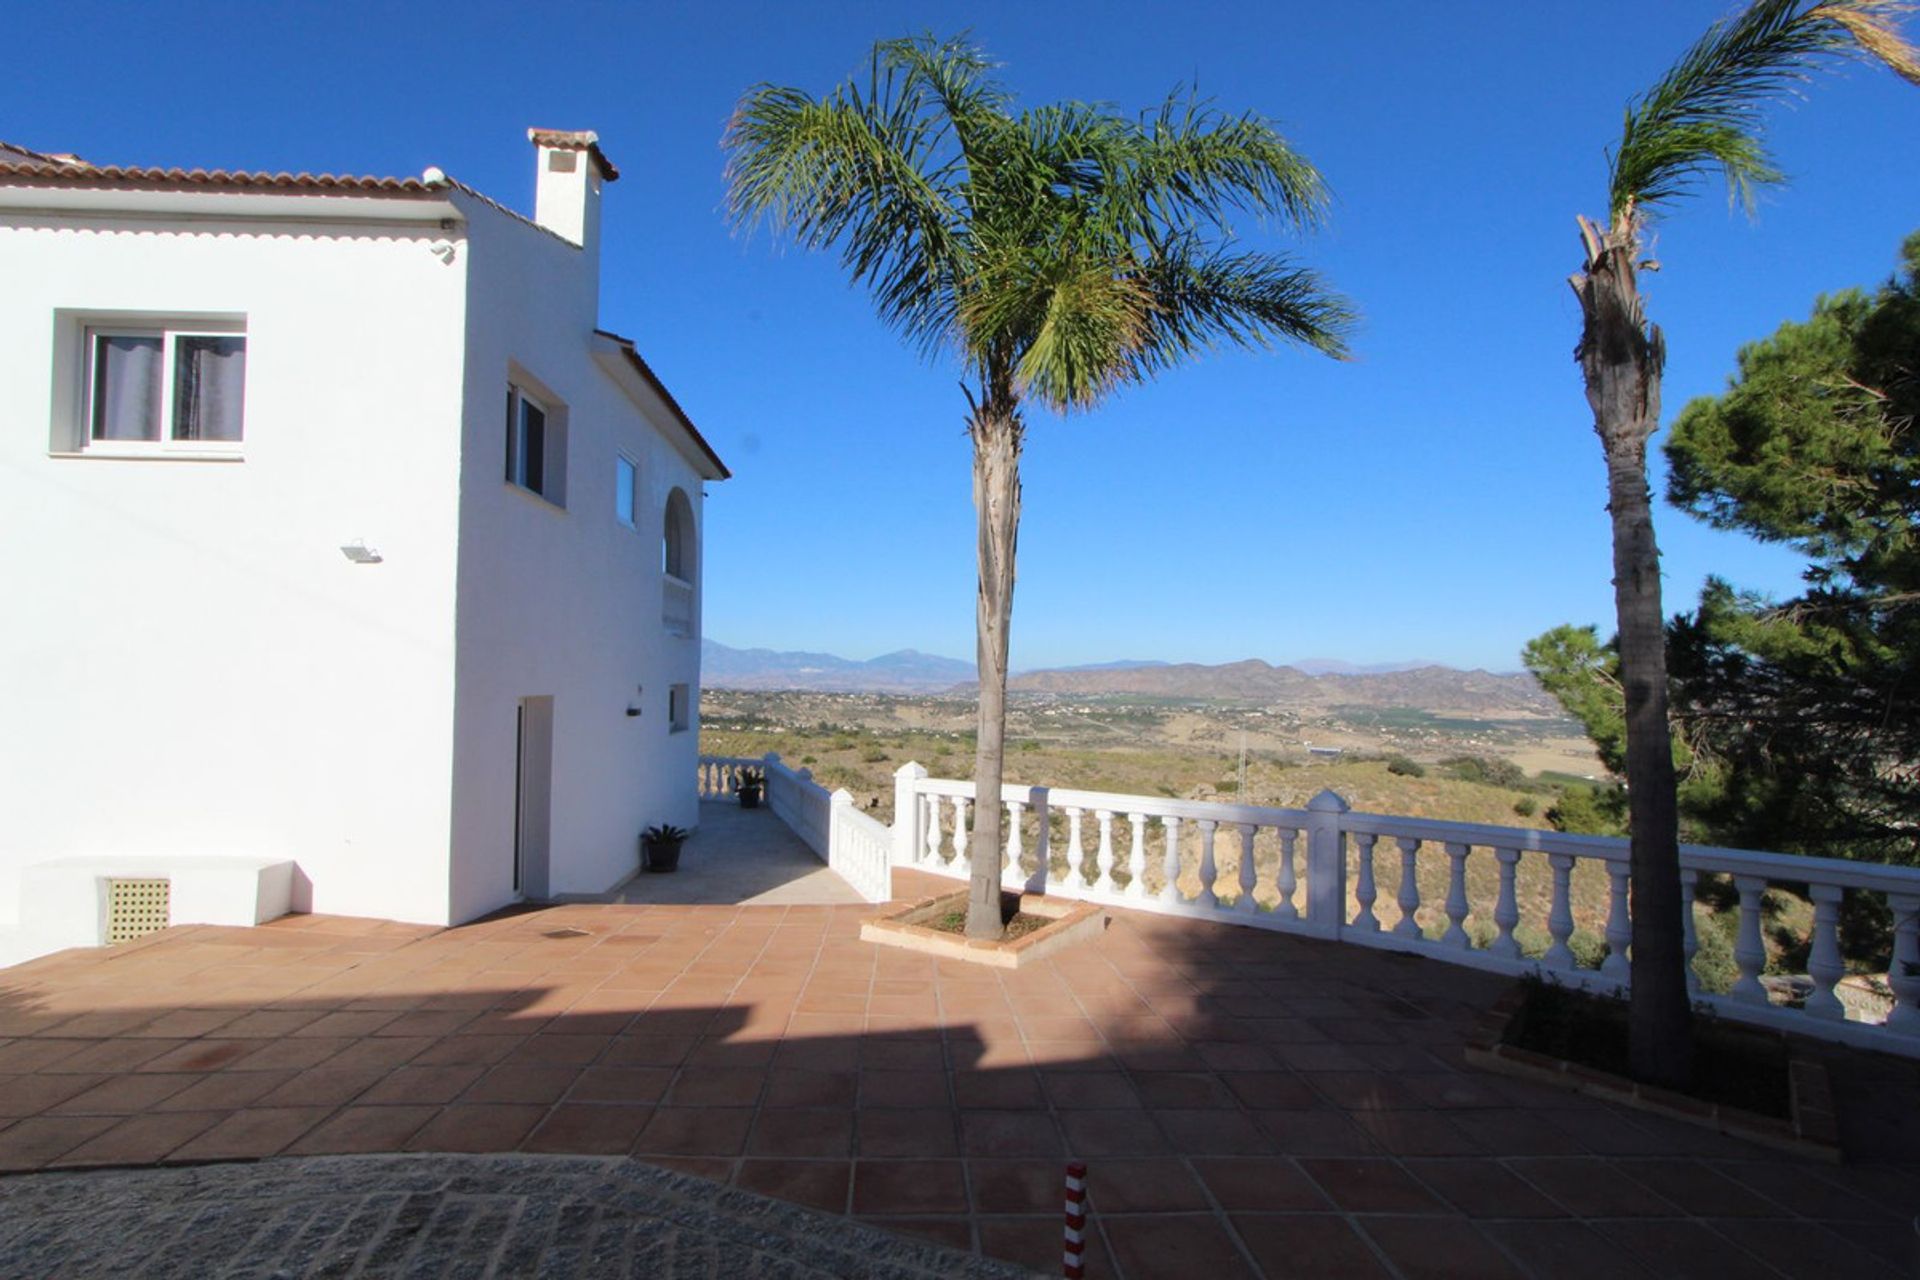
point(1560, 915)
point(1170, 861)
point(1137, 857)
point(1013, 875)
point(1103, 883)
point(1075, 854)
point(962, 854)
point(1903, 974)
point(1456, 934)
point(1619, 924)
point(1209, 869)
point(1287, 885)
point(1365, 892)
point(935, 854)
point(1749, 952)
point(1823, 961)
point(1407, 926)
point(1246, 900)
point(1689, 935)
point(1506, 909)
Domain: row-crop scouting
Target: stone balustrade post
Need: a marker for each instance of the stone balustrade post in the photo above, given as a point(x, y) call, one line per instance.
point(906, 814)
point(1326, 864)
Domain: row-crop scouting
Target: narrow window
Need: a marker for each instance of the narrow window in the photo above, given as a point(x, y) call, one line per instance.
point(678, 714)
point(536, 446)
point(626, 482)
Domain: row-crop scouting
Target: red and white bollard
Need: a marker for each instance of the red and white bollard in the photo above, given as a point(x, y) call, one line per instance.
point(1076, 1221)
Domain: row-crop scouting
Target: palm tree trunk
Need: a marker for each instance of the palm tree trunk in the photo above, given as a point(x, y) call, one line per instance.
point(1621, 357)
point(996, 430)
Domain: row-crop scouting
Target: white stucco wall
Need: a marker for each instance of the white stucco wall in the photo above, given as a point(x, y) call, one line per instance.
point(562, 602)
point(188, 664)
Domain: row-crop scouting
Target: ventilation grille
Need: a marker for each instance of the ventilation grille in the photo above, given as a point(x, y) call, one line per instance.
point(136, 908)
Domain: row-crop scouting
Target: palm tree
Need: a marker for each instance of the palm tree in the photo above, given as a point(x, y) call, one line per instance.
point(1702, 116)
point(1058, 251)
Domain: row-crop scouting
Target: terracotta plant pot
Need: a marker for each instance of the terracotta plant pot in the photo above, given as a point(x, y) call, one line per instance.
point(749, 797)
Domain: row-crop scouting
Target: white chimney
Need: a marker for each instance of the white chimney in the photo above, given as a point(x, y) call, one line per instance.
point(567, 189)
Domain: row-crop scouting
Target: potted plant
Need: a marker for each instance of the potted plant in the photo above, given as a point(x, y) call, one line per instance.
point(749, 786)
point(660, 847)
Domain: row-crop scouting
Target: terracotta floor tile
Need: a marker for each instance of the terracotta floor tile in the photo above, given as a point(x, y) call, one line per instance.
point(1035, 1242)
point(559, 1050)
point(1316, 1133)
point(1016, 1186)
point(1699, 1190)
point(126, 1095)
point(1565, 1250)
point(812, 1089)
point(595, 1129)
point(802, 1132)
point(1416, 1133)
point(1140, 1186)
point(905, 1132)
point(1515, 1132)
point(1009, 1133)
point(879, 1088)
point(1483, 1189)
point(351, 1025)
point(291, 1053)
point(25, 1095)
point(113, 1056)
point(22, 1056)
point(422, 1085)
point(1371, 1186)
point(998, 1090)
point(1088, 1090)
point(1323, 1246)
point(1272, 1090)
point(1215, 1133)
point(695, 1131)
point(717, 1087)
point(632, 1085)
point(818, 1184)
point(1158, 1244)
point(530, 1085)
point(252, 1134)
point(1593, 1188)
point(477, 1127)
point(1438, 1249)
point(916, 1187)
point(1092, 1134)
point(363, 1129)
point(142, 1139)
point(1688, 1250)
point(36, 1140)
point(186, 1022)
point(648, 1050)
point(323, 1086)
point(902, 1055)
point(1261, 1183)
point(381, 1051)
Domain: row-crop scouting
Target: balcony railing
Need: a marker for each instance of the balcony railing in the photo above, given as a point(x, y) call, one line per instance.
point(676, 605)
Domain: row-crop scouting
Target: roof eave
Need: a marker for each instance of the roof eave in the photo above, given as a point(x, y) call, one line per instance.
point(612, 344)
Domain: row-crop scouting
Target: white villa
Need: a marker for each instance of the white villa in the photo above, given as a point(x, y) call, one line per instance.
point(353, 567)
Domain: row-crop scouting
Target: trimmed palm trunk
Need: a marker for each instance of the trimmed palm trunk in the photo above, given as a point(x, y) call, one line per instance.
point(996, 430)
point(1621, 356)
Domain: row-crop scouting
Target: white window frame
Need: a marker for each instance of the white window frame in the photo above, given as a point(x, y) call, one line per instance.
point(522, 392)
point(169, 334)
point(630, 490)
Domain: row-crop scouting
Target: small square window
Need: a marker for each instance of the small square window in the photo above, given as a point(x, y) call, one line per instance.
point(679, 716)
point(164, 388)
point(626, 485)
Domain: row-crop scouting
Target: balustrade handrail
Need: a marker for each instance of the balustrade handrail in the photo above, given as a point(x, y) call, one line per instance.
point(1119, 803)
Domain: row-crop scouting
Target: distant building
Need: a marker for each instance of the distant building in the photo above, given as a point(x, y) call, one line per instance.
point(352, 564)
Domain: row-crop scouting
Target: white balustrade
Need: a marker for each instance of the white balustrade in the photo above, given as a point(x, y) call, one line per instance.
point(1409, 898)
point(1313, 896)
point(1366, 894)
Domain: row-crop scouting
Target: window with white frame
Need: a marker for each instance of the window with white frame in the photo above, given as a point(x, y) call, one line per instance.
point(626, 490)
point(536, 444)
point(156, 387)
point(679, 714)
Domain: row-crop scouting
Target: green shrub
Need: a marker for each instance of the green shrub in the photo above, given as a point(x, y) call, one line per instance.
point(1588, 948)
point(1486, 770)
point(1526, 806)
point(1713, 961)
point(874, 755)
point(1403, 767)
point(1590, 811)
point(809, 759)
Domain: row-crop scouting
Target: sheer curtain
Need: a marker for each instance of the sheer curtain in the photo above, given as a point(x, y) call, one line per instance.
point(209, 386)
point(126, 387)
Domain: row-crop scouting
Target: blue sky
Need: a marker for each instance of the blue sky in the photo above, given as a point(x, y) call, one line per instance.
point(1440, 496)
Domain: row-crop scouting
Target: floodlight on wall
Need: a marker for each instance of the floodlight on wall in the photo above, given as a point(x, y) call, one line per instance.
point(360, 553)
point(633, 708)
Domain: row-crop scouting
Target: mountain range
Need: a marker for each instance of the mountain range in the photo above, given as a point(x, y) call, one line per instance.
point(1309, 682)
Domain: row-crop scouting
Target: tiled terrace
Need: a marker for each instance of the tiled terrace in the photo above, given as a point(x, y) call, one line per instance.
point(1249, 1104)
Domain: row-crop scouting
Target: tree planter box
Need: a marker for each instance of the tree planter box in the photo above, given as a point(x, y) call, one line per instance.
point(1812, 1131)
point(1069, 922)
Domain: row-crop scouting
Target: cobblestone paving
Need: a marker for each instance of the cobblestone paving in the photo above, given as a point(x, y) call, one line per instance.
point(437, 1218)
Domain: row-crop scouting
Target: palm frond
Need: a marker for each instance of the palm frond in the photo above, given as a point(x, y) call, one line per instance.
point(1203, 296)
point(1703, 115)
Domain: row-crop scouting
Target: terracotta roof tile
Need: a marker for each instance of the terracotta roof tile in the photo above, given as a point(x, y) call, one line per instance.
point(653, 379)
point(576, 140)
point(34, 169)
